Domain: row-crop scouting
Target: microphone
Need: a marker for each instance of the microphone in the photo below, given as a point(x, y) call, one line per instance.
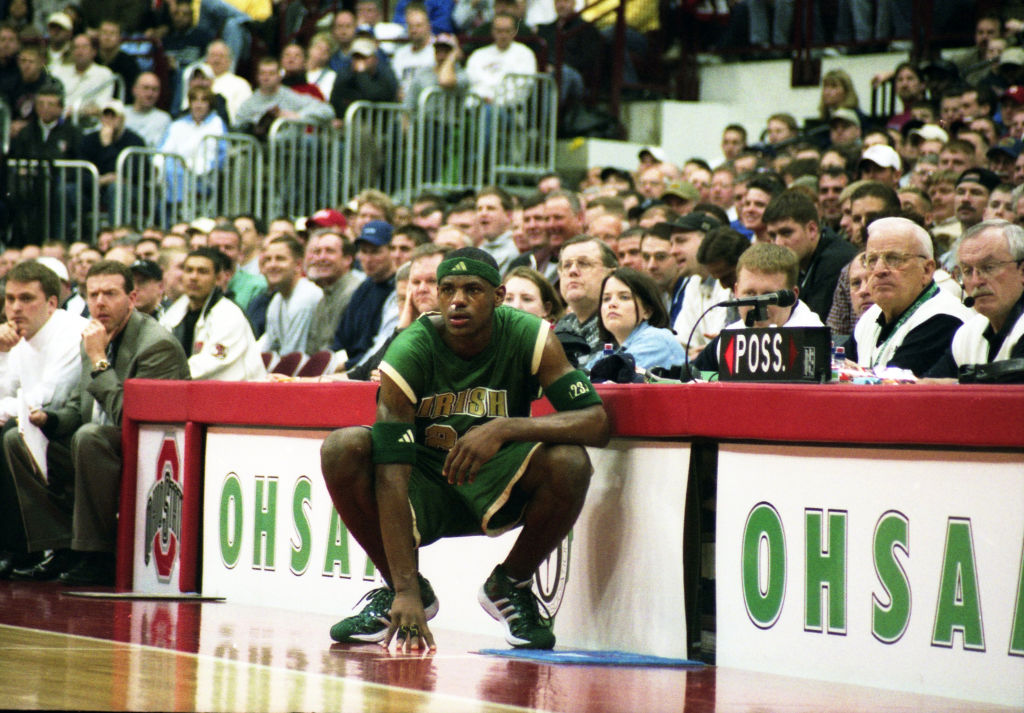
point(968, 301)
point(782, 298)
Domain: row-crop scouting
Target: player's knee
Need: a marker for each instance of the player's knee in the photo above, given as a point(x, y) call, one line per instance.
point(571, 469)
point(345, 450)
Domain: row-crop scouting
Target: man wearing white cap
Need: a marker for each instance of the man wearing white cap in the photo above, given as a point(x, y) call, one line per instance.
point(367, 77)
point(59, 29)
point(444, 72)
point(844, 128)
point(881, 163)
point(103, 147)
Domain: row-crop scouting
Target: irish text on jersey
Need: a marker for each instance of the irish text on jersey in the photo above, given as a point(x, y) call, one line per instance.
point(477, 401)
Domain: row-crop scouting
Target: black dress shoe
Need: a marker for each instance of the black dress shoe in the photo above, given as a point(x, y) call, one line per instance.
point(94, 569)
point(10, 561)
point(49, 568)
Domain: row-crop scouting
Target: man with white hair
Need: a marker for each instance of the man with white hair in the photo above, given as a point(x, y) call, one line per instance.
point(990, 259)
point(233, 88)
point(912, 321)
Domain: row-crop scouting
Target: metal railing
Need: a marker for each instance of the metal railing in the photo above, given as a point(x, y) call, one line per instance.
point(450, 142)
point(52, 199)
point(454, 142)
point(235, 184)
point(377, 150)
point(302, 167)
point(153, 187)
point(524, 123)
point(5, 126)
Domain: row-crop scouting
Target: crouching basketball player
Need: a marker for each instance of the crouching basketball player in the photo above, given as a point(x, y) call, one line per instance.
point(454, 452)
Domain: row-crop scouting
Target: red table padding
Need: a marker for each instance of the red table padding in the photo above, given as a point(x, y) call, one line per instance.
point(970, 416)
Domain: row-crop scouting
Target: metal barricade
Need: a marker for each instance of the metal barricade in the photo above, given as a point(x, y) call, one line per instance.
point(524, 121)
point(302, 167)
point(153, 188)
point(5, 126)
point(450, 141)
point(235, 184)
point(52, 199)
point(377, 150)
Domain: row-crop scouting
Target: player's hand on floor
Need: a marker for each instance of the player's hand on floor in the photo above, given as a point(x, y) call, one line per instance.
point(474, 448)
point(409, 624)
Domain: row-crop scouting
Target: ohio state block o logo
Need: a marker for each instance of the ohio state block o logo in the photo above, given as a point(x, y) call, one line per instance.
point(163, 511)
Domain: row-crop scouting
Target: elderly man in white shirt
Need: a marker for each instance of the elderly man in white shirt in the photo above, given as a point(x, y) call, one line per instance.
point(990, 259)
point(233, 88)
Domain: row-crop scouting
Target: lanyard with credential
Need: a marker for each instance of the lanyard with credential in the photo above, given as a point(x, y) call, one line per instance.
point(927, 295)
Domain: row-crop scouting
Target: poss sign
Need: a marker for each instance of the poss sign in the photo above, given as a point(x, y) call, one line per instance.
point(775, 354)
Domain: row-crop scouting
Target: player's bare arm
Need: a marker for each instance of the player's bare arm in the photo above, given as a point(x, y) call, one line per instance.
point(586, 427)
point(392, 489)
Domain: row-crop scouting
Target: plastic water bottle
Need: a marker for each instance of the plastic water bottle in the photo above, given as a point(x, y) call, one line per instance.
point(838, 360)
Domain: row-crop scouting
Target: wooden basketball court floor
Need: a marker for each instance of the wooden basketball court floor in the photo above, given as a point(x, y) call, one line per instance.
point(68, 652)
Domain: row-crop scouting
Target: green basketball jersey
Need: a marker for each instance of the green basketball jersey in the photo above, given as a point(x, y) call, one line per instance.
point(453, 394)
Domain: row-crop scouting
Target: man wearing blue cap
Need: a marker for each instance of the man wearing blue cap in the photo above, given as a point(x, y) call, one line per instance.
point(454, 452)
point(373, 308)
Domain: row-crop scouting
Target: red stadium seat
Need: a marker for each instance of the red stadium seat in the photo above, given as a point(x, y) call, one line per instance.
point(317, 364)
point(288, 364)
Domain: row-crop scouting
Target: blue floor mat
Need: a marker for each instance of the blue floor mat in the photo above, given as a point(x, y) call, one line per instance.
point(588, 658)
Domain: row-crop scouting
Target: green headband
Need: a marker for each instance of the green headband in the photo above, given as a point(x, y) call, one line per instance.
point(468, 266)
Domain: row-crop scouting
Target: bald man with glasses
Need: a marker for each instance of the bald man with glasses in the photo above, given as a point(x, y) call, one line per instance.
point(912, 321)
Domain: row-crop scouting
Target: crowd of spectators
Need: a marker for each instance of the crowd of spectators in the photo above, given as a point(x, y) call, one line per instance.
point(628, 261)
point(947, 158)
point(902, 233)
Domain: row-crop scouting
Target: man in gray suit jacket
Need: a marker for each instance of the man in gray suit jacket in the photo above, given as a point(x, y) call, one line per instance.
point(118, 343)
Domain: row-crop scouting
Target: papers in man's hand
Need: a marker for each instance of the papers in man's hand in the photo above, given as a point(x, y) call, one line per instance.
point(33, 436)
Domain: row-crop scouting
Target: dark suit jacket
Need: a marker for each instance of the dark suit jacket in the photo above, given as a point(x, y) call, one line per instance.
point(147, 351)
point(818, 282)
point(64, 142)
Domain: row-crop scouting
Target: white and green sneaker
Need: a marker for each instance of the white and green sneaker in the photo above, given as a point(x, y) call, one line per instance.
point(516, 606)
point(370, 625)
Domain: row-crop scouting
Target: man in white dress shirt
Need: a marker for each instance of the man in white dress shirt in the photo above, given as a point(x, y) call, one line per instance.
point(87, 85)
point(40, 363)
point(489, 65)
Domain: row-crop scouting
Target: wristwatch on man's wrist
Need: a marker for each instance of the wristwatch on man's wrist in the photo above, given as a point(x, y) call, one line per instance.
point(100, 365)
